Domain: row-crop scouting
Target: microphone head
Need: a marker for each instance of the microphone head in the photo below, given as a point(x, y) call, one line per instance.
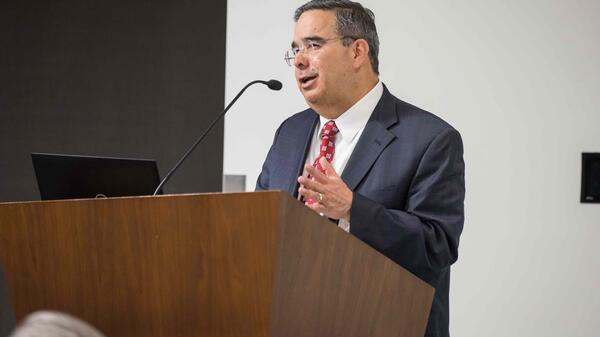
point(274, 85)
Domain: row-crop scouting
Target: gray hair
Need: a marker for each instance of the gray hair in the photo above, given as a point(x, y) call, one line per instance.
point(352, 21)
point(54, 324)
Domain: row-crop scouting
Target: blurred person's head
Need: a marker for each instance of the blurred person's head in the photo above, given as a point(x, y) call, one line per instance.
point(54, 324)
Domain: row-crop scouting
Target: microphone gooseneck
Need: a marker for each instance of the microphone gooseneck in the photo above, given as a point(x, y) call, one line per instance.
point(272, 84)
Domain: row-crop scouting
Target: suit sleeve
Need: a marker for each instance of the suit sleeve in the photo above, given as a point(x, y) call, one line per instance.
point(424, 236)
point(262, 183)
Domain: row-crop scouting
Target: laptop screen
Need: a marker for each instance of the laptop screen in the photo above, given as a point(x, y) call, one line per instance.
point(61, 176)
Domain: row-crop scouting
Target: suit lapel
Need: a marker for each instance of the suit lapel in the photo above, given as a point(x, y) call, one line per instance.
point(373, 140)
point(304, 137)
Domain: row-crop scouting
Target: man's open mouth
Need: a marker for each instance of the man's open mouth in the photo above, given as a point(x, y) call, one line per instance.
point(307, 80)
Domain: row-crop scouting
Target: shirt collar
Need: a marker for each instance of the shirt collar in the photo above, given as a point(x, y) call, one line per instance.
point(355, 118)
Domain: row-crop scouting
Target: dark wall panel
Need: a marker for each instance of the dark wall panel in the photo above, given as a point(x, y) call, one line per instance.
point(112, 78)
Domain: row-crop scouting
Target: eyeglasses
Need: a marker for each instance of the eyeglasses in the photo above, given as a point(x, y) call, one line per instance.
point(309, 47)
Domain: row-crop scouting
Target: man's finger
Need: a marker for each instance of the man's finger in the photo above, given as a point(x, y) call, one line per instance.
point(316, 174)
point(310, 184)
point(310, 194)
point(326, 165)
point(317, 207)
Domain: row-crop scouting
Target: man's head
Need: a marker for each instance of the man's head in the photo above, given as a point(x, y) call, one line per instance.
point(336, 54)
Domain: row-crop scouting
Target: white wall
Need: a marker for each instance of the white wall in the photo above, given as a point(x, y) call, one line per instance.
point(521, 81)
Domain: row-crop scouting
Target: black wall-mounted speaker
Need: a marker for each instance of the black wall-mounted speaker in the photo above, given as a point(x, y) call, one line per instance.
point(590, 177)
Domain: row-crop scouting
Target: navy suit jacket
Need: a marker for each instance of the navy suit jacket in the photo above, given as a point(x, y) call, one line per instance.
point(407, 177)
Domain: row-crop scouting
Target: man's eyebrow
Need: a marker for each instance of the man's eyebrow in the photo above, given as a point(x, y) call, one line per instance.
point(309, 38)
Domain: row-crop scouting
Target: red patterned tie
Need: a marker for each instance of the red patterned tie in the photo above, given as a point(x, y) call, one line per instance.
point(327, 148)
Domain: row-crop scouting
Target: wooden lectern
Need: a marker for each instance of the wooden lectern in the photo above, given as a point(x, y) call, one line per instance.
point(243, 264)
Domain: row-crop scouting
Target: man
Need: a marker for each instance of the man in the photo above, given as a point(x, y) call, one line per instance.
point(388, 172)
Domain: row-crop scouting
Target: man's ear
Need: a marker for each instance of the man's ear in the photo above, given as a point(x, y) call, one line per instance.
point(360, 50)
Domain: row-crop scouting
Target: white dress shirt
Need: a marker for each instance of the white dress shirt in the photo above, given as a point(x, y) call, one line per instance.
point(350, 124)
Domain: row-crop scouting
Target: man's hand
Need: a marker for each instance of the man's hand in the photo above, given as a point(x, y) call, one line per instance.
point(331, 195)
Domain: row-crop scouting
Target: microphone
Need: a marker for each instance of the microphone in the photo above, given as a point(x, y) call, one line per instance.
point(272, 84)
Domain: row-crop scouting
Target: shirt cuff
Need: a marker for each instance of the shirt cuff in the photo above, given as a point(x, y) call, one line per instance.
point(345, 225)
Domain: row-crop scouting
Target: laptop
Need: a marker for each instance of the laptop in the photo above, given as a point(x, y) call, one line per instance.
point(63, 176)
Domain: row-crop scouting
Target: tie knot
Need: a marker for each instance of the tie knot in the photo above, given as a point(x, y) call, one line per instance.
point(329, 131)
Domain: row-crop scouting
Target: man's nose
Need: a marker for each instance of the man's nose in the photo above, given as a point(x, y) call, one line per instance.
point(301, 61)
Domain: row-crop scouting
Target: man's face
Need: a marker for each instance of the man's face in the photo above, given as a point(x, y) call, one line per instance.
point(323, 72)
